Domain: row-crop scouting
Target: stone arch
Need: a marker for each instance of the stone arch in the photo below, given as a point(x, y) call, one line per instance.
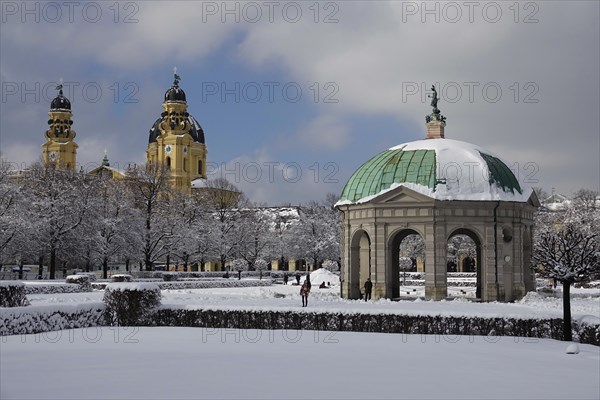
point(360, 262)
point(392, 273)
point(475, 237)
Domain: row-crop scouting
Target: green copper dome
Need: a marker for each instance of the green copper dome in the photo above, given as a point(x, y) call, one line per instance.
point(443, 169)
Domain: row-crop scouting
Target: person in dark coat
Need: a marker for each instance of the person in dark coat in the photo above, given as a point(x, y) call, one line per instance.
point(285, 279)
point(368, 288)
point(304, 291)
point(298, 278)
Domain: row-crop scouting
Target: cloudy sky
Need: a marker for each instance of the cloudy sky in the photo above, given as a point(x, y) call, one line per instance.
point(295, 96)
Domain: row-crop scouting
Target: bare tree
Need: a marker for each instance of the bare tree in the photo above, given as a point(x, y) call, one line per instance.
point(252, 235)
point(224, 200)
point(567, 248)
point(151, 188)
point(9, 213)
point(59, 201)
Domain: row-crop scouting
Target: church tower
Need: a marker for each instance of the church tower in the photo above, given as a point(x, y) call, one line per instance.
point(60, 149)
point(177, 140)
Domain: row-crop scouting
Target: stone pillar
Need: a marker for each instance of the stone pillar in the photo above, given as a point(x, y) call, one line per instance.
point(435, 261)
point(378, 261)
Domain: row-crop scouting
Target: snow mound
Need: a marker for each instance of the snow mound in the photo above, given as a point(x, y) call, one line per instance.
point(323, 275)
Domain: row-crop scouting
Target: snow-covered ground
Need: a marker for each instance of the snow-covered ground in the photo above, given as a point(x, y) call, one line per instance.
point(177, 363)
point(194, 363)
point(585, 302)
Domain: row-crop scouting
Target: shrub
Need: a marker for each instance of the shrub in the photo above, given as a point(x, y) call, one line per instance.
point(130, 304)
point(169, 276)
point(12, 294)
point(82, 280)
point(121, 278)
point(51, 317)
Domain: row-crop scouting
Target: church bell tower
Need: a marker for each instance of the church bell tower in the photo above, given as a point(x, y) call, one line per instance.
point(60, 148)
point(177, 140)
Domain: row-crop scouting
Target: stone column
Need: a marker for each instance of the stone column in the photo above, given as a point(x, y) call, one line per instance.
point(435, 261)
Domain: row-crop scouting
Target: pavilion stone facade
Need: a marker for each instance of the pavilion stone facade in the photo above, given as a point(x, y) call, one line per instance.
point(372, 232)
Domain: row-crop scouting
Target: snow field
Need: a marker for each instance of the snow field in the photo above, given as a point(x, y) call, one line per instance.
point(196, 363)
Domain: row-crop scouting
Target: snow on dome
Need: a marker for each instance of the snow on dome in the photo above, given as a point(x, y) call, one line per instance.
point(443, 169)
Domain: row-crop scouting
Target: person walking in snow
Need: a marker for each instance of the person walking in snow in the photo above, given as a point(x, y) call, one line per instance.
point(285, 279)
point(368, 288)
point(298, 278)
point(304, 291)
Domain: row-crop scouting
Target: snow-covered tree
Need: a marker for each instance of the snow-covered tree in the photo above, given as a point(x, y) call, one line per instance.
point(261, 265)
point(151, 189)
point(59, 200)
point(317, 233)
point(186, 218)
point(283, 223)
point(239, 265)
point(331, 265)
point(567, 248)
point(10, 214)
point(114, 219)
point(224, 200)
point(413, 246)
point(252, 235)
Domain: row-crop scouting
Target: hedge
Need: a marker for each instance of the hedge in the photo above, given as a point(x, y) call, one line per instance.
point(550, 328)
point(54, 288)
point(12, 294)
point(130, 303)
point(37, 319)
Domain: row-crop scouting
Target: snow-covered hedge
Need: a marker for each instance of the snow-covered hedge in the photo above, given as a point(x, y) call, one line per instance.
point(50, 288)
point(37, 319)
point(212, 274)
point(12, 294)
point(170, 276)
point(583, 331)
point(588, 285)
point(82, 280)
point(223, 283)
point(198, 284)
point(130, 304)
point(122, 278)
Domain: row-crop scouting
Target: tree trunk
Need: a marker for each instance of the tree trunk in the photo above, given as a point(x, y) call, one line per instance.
point(567, 334)
point(40, 267)
point(53, 263)
point(127, 264)
point(105, 268)
point(168, 262)
point(21, 262)
point(147, 262)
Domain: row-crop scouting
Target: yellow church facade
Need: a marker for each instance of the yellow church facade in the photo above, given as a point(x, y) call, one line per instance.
point(176, 140)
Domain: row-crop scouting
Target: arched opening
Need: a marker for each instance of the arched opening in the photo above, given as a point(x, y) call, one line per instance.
point(464, 271)
point(406, 253)
point(360, 263)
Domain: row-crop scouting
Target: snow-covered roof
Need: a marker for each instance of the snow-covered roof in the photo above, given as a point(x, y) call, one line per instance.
point(443, 169)
point(199, 183)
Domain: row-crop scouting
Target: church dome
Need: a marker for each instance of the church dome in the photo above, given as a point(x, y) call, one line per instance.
point(175, 93)
point(196, 131)
point(442, 169)
point(60, 102)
